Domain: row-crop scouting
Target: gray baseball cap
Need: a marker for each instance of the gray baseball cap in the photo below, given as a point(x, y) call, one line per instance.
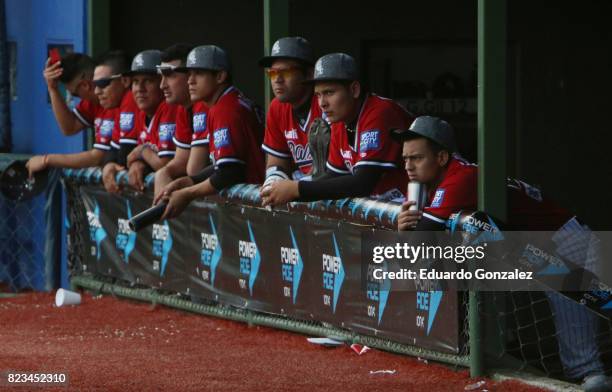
point(145, 62)
point(208, 57)
point(432, 128)
point(293, 48)
point(335, 66)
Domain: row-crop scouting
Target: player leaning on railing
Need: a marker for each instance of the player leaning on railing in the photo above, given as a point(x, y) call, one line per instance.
point(292, 111)
point(362, 160)
point(427, 148)
point(235, 128)
point(110, 90)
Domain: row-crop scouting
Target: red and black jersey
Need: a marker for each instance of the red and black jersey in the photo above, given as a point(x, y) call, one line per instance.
point(370, 144)
point(236, 132)
point(160, 130)
point(187, 120)
point(87, 112)
point(458, 190)
point(285, 137)
point(127, 125)
point(103, 127)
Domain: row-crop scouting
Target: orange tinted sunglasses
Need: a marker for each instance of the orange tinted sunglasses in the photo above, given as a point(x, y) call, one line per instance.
point(285, 73)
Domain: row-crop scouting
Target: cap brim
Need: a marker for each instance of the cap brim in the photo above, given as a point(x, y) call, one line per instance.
point(267, 61)
point(400, 135)
point(141, 72)
point(312, 81)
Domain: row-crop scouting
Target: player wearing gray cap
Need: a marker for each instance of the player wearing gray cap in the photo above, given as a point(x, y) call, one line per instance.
point(427, 148)
point(362, 160)
point(110, 93)
point(292, 111)
point(234, 132)
point(157, 120)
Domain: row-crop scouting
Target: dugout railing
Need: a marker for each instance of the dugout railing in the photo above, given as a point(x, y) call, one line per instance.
point(298, 268)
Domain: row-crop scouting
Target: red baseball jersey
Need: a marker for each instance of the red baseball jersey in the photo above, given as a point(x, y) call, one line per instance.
point(187, 121)
point(458, 191)
point(370, 144)
point(103, 127)
point(285, 137)
point(236, 127)
point(160, 130)
point(87, 112)
point(127, 124)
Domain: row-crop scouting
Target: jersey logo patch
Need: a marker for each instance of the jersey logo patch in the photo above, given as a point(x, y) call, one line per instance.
point(301, 153)
point(438, 198)
point(199, 122)
point(126, 121)
point(291, 134)
point(222, 138)
point(106, 128)
point(166, 131)
point(370, 140)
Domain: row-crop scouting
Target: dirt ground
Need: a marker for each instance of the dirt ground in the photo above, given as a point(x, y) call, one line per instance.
point(109, 344)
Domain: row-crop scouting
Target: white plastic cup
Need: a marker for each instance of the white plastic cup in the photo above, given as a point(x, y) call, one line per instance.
point(415, 193)
point(67, 297)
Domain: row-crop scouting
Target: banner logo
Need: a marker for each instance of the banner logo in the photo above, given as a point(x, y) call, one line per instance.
point(250, 259)
point(96, 232)
point(162, 245)
point(210, 253)
point(292, 267)
point(333, 276)
point(126, 238)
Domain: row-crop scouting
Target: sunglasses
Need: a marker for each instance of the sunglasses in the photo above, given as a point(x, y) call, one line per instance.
point(105, 82)
point(284, 73)
point(168, 69)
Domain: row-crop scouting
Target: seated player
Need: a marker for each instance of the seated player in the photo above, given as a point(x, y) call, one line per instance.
point(428, 147)
point(110, 90)
point(363, 160)
point(236, 132)
point(156, 123)
point(292, 111)
point(190, 117)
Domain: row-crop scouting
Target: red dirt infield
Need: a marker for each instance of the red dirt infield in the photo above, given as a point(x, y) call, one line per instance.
point(110, 344)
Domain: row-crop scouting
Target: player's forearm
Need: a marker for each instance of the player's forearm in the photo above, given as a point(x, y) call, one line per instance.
point(200, 190)
point(198, 159)
point(177, 167)
point(76, 161)
point(284, 164)
point(151, 158)
point(68, 123)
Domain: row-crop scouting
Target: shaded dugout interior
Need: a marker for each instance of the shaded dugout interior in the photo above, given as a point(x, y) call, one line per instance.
point(424, 54)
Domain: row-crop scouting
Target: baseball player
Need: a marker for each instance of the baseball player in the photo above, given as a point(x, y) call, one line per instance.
point(236, 132)
point(75, 71)
point(110, 90)
point(156, 123)
point(428, 146)
point(292, 111)
point(189, 117)
point(363, 160)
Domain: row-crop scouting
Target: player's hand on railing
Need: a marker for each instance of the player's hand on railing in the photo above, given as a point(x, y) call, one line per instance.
point(36, 164)
point(408, 219)
point(279, 192)
point(172, 187)
point(52, 73)
point(109, 173)
point(136, 175)
point(134, 155)
point(177, 202)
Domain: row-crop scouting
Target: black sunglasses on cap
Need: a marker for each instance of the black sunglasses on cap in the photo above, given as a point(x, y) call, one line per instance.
point(104, 82)
point(168, 69)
